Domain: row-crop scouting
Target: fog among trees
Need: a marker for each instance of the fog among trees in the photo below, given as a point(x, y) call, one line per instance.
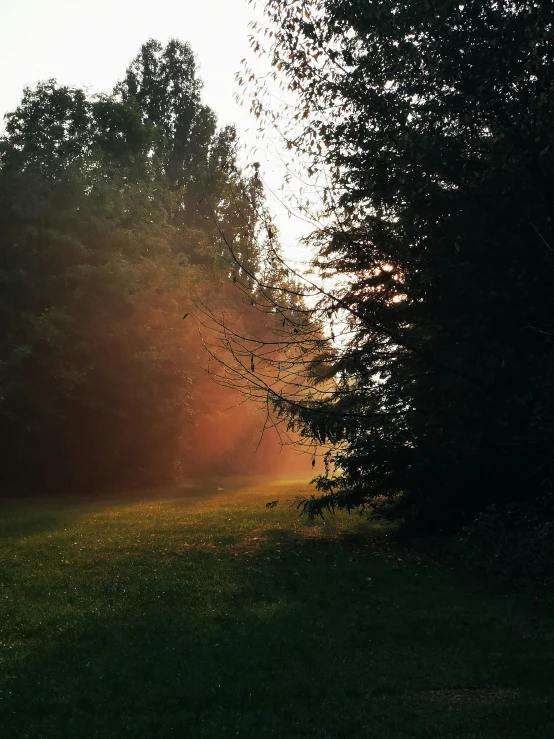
point(112, 208)
point(420, 369)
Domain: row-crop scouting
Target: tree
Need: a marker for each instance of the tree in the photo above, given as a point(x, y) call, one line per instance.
point(434, 122)
point(164, 83)
point(104, 239)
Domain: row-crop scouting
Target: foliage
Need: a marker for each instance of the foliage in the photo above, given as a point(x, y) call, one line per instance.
point(102, 245)
point(434, 122)
point(198, 160)
point(515, 544)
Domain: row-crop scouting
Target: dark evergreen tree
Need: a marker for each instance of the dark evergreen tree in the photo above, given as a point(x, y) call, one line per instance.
point(435, 122)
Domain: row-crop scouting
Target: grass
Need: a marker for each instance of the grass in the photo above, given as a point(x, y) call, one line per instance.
point(202, 613)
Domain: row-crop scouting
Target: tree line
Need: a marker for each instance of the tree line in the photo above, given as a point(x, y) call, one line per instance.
point(111, 213)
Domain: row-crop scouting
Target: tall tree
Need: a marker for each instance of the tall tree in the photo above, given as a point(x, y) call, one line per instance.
point(435, 121)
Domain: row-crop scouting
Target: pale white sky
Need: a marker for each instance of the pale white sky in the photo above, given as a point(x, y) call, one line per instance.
point(89, 44)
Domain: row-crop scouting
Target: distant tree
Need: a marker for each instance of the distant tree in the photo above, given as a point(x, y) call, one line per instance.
point(163, 81)
point(109, 215)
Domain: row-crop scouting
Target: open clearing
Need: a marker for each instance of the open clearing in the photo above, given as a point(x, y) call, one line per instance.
point(202, 613)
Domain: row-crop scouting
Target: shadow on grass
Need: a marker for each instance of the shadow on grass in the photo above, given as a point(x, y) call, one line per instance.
point(29, 516)
point(18, 522)
point(26, 517)
point(289, 635)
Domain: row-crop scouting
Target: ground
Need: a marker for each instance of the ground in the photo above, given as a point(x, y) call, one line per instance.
point(201, 612)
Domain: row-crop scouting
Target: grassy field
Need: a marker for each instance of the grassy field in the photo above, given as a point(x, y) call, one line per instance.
point(202, 613)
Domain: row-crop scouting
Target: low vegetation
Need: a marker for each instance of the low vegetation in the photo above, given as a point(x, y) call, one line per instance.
point(202, 612)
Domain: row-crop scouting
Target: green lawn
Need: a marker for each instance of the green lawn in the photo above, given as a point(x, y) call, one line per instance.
point(202, 613)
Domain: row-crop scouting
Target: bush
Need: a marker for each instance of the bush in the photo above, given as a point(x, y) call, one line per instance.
point(515, 543)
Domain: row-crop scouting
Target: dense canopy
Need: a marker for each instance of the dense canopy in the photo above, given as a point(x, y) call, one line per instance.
point(434, 125)
point(111, 214)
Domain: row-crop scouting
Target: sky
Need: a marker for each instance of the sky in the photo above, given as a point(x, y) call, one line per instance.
point(90, 44)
